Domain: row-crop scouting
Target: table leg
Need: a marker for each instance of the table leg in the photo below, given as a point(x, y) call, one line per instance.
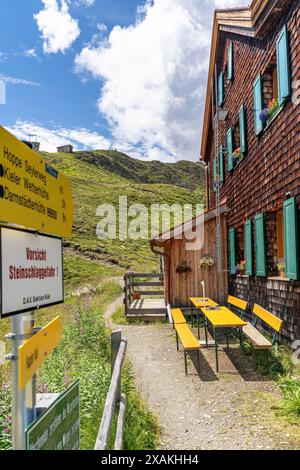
point(198, 325)
point(177, 343)
point(241, 337)
point(227, 339)
point(185, 362)
point(216, 349)
point(205, 328)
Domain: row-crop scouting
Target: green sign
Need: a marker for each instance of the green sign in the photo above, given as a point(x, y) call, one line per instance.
point(58, 428)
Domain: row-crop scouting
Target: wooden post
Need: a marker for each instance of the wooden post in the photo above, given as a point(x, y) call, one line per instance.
point(116, 338)
point(126, 293)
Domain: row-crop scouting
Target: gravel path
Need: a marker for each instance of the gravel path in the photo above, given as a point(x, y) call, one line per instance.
point(231, 410)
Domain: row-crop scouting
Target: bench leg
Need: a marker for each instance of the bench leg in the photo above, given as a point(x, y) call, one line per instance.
point(185, 362)
point(216, 349)
point(241, 338)
point(177, 342)
point(227, 339)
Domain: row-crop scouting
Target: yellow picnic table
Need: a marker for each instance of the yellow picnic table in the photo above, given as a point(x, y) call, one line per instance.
point(200, 302)
point(221, 317)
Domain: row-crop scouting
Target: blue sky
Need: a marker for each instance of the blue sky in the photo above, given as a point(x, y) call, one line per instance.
point(125, 74)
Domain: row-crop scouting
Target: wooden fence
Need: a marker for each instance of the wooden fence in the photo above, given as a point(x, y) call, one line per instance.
point(115, 400)
point(134, 283)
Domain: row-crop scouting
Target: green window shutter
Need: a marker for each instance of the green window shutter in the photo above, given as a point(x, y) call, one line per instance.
point(243, 130)
point(221, 160)
point(260, 245)
point(248, 248)
point(258, 104)
point(283, 65)
point(230, 149)
point(231, 245)
point(291, 241)
point(221, 89)
point(230, 61)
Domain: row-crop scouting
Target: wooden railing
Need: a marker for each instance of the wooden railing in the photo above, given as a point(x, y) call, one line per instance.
point(115, 400)
point(133, 281)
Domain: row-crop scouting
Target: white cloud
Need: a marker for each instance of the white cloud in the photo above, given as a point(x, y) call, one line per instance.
point(154, 74)
point(81, 139)
point(231, 3)
point(59, 30)
point(2, 56)
point(17, 81)
point(87, 3)
point(30, 53)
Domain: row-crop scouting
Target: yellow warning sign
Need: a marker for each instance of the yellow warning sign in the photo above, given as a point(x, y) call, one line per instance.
point(33, 194)
point(35, 350)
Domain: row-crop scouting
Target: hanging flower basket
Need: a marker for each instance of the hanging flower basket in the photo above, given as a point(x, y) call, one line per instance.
point(207, 260)
point(183, 268)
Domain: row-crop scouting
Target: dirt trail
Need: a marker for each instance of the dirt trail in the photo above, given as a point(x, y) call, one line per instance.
point(231, 410)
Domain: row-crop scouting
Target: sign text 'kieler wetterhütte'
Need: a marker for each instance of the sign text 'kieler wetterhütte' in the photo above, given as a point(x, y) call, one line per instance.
point(31, 271)
point(33, 194)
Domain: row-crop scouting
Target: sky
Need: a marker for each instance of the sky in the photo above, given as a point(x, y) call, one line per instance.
point(100, 74)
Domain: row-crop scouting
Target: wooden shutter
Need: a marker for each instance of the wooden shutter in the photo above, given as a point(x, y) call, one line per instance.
point(248, 248)
point(221, 89)
point(260, 245)
point(283, 65)
point(291, 240)
point(230, 149)
point(221, 163)
point(230, 65)
point(231, 251)
point(258, 104)
point(243, 130)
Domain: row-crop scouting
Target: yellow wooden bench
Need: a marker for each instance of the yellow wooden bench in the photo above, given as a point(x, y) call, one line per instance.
point(239, 303)
point(256, 338)
point(189, 342)
point(178, 317)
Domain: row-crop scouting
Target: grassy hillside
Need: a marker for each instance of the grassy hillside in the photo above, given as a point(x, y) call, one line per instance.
point(185, 174)
point(94, 184)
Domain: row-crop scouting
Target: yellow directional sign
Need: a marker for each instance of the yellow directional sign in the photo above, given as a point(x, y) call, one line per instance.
point(35, 350)
point(32, 193)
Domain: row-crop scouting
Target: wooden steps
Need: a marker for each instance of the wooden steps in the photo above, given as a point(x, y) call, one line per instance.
point(154, 317)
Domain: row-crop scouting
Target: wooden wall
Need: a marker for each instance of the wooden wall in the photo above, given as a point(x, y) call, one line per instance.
point(185, 285)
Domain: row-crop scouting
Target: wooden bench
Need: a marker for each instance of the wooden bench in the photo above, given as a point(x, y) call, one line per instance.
point(178, 317)
point(256, 338)
point(188, 341)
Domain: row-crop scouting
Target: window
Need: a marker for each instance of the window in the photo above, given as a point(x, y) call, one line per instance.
point(280, 235)
point(273, 87)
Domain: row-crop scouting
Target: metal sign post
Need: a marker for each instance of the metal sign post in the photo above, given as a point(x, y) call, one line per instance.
point(23, 401)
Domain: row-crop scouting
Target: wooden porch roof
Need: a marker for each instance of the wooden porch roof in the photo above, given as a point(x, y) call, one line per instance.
point(189, 225)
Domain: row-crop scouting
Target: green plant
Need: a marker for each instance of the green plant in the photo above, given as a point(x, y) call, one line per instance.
point(207, 260)
point(5, 416)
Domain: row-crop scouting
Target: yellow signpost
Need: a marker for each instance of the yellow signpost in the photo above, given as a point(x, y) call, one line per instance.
point(35, 350)
point(32, 193)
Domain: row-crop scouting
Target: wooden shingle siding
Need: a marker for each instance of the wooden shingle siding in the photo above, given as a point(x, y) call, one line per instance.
point(269, 173)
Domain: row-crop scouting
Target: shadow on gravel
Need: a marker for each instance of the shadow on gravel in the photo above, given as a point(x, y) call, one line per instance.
point(244, 367)
point(206, 373)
